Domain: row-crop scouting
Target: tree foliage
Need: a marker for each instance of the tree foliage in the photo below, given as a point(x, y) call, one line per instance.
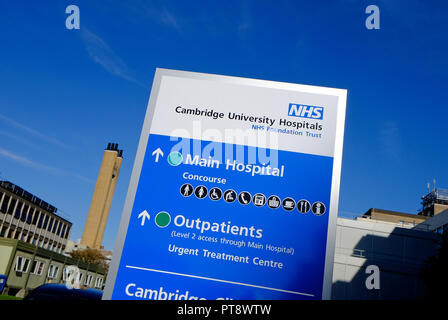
point(89, 255)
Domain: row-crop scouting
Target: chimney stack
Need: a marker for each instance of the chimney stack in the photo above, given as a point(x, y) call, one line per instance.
point(102, 197)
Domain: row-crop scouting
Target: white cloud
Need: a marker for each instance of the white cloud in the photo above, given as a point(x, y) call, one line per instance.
point(29, 163)
point(36, 133)
point(155, 13)
point(390, 139)
point(100, 52)
point(39, 166)
point(167, 18)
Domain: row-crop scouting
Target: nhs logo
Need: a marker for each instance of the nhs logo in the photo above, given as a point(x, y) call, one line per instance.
point(304, 111)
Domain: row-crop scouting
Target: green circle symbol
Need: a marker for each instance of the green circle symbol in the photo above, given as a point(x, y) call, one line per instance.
point(175, 158)
point(163, 219)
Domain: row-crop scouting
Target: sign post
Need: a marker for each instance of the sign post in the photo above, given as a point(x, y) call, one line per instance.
point(234, 192)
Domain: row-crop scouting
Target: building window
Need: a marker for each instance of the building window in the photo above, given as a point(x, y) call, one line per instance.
point(49, 224)
point(65, 274)
point(22, 264)
point(18, 210)
point(29, 218)
point(24, 212)
point(56, 222)
point(58, 231)
point(36, 216)
point(12, 205)
point(5, 204)
point(62, 230)
point(38, 267)
point(88, 281)
point(98, 283)
point(45, 222)
point(53, 271)
point(41, 220)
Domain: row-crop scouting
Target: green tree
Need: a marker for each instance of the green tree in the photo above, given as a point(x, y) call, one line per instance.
point(92, 256)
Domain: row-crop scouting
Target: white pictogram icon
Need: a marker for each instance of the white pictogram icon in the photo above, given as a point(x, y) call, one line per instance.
point(274, 202)
point(303, 206)
point(186, 190)
point(288, 204)
point(229, 195)
point(244, 197)
point(215, 194)
point(259, 200)
point(318, 208)
point(200, 192)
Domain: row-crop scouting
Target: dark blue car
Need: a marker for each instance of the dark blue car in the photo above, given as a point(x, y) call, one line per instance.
point(52, 292)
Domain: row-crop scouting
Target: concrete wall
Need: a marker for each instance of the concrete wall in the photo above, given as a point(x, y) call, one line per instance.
point(435, 222)
point(400, 254)
point(5, 258)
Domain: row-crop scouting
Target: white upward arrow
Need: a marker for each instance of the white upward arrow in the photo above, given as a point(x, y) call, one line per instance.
point(158, 152)
point(143, 215)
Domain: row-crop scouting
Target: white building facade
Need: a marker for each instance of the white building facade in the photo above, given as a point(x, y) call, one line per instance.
point(25, 217)
point(400, 254)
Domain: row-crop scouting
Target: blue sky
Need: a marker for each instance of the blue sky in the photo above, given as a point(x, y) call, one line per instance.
point(64, 94)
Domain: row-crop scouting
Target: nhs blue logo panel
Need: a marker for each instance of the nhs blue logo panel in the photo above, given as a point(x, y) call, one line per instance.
point(305, 111)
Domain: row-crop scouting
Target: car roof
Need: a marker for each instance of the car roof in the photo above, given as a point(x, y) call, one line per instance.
point(63, 292)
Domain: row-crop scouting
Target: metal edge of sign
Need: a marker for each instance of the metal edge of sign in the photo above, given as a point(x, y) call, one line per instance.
point(255, 82)
point(334, 200)
point(144, 136)
point(132, 189)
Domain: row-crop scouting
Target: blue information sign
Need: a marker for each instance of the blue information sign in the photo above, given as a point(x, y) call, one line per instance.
point(231, 201)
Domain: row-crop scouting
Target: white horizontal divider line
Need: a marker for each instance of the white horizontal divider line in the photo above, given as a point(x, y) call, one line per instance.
point(219, 280)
